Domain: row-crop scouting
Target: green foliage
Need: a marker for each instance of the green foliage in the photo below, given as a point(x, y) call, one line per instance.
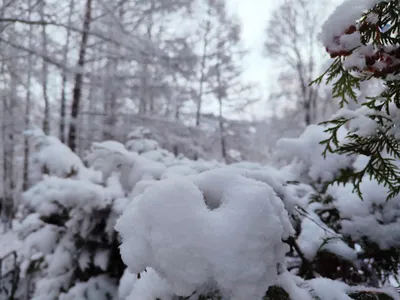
point(381, 146)
point(345, 84)
point(382, 150)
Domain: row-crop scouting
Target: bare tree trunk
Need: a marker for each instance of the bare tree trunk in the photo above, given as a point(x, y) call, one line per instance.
point(25, 182)
point(307, 111)
point(111, 87)
point(202, 69)
point(150, 26)
point(220, 96)
point(77, 92)
point(177, 112)
point(4, 153)
point(64, 76)
point(46, 118)
point(146, 100)
point(3, 133)
point(8, 152)
point(11, 154)
point(222, 131)
point(95, 119)
point(291, 36)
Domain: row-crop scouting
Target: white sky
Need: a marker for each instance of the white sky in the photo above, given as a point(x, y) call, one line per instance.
point(254, 15)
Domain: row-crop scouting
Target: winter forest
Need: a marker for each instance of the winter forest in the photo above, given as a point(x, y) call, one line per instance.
point(139, 160)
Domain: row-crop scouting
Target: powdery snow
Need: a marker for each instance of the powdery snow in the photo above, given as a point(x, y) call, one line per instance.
point(171, 228)
point(48, 195)
point(316, 236)
point(373, 217)
point(340, 20)
point(328, 289)
point(359, 120)
point(112, 157)
point(96, 288)
point(311, 165)
point(150, 286)
point(55, 157)
point(324, 288)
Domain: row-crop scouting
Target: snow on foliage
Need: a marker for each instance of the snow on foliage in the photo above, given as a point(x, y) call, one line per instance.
point(374, 218)
point(316, 236)
point(70, 233)
point(110, 157)
point(68, 236)
point(48, 150)
point(333, 31)
point(139, 140)
point(52, 193)
point(96, 288)
point(336, 219)
point(308, 163)
point(52, 158)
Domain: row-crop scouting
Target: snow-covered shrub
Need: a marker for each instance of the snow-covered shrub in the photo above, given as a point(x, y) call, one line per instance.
point(70, 246)
point(361, 36)
point(174, 138)
point(70, 236)
point(190, 229)
point(140, 141)
point(201, 236)
point(341, 235)
point(96, 288)
point(363, 40)
point(52, 158)
point(112, 157)
point(372, 223)
point(48, 150)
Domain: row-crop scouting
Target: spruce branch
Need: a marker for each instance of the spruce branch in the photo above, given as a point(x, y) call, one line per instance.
point(382, 61)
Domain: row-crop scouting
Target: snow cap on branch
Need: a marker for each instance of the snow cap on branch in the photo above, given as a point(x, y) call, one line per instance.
point(333, 31)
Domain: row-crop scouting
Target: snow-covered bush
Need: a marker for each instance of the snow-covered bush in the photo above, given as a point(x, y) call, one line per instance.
point(343, 236)
point(70, 246)
point(362, 38)
point(139, 140)
point(199, 230)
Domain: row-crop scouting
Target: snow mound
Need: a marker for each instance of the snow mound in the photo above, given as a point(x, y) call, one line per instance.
point(150, 286)
point(209, 227)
